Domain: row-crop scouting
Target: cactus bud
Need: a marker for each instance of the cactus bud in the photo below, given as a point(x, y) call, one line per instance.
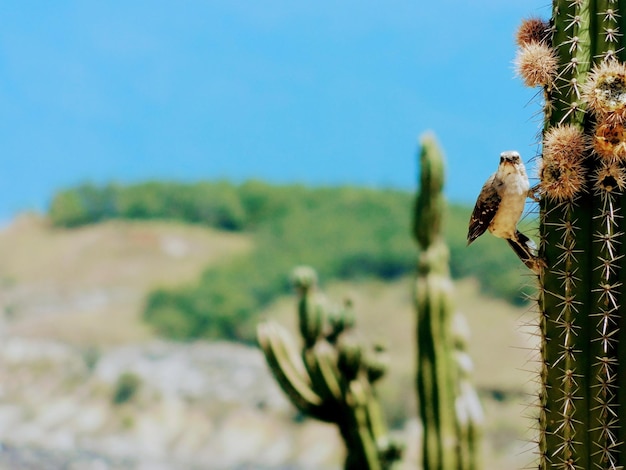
point(537, 64)
point(533, 30)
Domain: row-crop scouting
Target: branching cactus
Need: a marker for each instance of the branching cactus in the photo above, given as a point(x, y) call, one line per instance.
point(332, 378)
point(578, 60)
point(447, 402)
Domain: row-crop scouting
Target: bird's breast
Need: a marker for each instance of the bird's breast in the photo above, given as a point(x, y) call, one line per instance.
point(512, 191)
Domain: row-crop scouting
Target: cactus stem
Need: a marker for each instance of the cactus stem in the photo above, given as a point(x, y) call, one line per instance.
point(331, 380)
point(447, 404)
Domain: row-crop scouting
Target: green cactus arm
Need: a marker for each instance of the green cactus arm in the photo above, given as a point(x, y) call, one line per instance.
point(617, 20)
point(447, 442)
point(469, 413)
point(429, 203)
point(289, 371)
point(376, 364)
point(602, 327)
point(321, 364)
point(311, 317)
point(364, 450)
point(331, 379)
point(604, 30)
point(565, 326)
point(350, 360)
point(608, 297)
point(436, 372)
point(620, 359)
point(377, 423)
point(565, 237)
point(469, 416)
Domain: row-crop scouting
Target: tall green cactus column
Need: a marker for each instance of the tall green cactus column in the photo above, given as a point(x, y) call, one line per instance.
point(448, 405)
point(333, 377)
point(577, 58)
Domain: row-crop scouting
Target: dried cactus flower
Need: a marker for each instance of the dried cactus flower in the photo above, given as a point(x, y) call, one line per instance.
point(605, 91)
point(537, 64)
point(609, 141)
point(609, 177)
point(533, 30)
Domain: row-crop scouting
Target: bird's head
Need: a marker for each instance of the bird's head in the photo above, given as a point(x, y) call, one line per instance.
point(510, 157)
point(510, 163)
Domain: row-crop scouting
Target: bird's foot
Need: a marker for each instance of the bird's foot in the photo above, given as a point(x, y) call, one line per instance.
point(534, 193)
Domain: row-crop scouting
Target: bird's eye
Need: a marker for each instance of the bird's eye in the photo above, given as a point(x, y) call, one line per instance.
point(501, 159)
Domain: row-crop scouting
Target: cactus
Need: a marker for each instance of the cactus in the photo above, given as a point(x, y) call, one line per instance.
point(332, 379)
point(578, 60)
point(447, 402)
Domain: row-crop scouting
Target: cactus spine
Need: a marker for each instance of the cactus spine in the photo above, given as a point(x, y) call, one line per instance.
point(332, 379)
point(447, 403)
point(578, 60)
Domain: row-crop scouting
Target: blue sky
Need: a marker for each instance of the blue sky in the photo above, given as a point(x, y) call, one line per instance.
point(317, 92)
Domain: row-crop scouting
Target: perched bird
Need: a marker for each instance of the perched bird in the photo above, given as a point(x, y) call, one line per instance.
point(500, 205)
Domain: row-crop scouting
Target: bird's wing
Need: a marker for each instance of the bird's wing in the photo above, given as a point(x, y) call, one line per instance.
point(484, 210)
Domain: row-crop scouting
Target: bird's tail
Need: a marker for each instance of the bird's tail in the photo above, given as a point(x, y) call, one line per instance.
point(526, 250)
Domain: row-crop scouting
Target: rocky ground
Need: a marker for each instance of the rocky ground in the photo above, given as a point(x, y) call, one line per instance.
point(193, 406)
point(85, 385)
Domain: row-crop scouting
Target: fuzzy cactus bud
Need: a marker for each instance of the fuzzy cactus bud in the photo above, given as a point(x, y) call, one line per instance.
point(533, 30)
point(537, 63)
point(562, 167)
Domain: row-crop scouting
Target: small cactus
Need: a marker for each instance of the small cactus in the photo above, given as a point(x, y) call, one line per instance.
point(582, 398)
point(448, 405)
point(332, 378)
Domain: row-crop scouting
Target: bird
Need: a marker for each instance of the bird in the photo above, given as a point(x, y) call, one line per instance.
point(499, 208)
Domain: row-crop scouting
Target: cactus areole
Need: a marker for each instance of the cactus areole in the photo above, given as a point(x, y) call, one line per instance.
point(578, 60)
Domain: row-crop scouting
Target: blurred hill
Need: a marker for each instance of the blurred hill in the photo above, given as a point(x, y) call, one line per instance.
point(87, 384)
point(96, 277)
point(346, 233)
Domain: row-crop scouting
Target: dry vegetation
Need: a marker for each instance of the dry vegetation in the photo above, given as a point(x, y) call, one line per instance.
point(88, 285)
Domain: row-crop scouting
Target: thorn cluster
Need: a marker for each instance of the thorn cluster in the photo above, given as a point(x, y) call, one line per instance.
point(609, 177)
point(605, 91)
point(561, 169)
point(537, 64)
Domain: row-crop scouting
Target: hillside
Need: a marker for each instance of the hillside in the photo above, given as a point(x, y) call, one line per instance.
point(72, 327)
point(346, 233)
point(89, 284)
